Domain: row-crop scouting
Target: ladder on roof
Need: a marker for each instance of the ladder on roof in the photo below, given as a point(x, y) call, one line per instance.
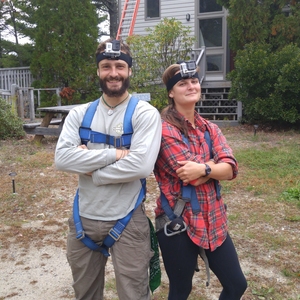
point(127, 20)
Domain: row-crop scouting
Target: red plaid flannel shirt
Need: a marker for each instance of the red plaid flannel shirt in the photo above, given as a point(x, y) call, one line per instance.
point(207, 229)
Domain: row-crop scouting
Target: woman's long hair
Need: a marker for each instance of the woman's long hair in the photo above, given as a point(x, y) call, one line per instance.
point(169, 113)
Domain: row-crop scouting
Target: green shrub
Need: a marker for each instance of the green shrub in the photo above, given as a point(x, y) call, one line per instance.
point(165, 44)
point(11, 125)
point(267, 83)
point(292, 195)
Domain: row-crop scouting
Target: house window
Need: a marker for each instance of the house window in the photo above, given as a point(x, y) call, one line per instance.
point(214, 62)
point(152, 9)
point(206, 6)
point(211, 32)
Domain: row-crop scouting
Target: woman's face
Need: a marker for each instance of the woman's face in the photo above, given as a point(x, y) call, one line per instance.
point(186, 91)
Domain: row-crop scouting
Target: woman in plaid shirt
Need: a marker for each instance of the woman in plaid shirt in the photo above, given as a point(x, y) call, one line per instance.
point(190, 164)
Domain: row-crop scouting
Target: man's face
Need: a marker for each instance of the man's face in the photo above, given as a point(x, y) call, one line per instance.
point(114, 77)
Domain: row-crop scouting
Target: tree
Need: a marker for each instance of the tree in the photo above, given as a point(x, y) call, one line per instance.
point(13, 53)
point(266, 38)
point(111, 8)
point(275, 22)
point(268, 83)
point(5, 11)
point(65, 42)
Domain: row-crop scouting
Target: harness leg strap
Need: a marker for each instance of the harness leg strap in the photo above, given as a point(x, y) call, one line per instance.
point(204, 257)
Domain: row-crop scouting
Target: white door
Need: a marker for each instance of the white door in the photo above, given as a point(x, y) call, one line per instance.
point(212, 33)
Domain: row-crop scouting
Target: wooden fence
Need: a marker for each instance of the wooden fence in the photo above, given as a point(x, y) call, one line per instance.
point(22, 77)
point(16, 88)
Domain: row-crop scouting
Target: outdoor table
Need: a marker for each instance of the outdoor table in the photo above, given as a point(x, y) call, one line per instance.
point(42, 128)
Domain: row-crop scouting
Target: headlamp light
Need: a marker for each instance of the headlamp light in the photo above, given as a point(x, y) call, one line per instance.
point(188, 69)
point(113, 51)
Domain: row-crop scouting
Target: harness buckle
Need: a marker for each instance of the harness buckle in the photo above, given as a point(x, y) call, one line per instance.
point(118, 142)
point(80, 235)
point(174, 227)
point(114, 234)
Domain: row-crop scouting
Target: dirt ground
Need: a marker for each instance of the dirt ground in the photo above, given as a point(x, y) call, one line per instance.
point(33, 229)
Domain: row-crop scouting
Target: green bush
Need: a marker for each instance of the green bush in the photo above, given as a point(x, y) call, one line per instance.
point(165, 44)
point(267, 83)
point(11, 125)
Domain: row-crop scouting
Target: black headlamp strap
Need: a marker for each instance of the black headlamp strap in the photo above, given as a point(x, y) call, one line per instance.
point(122, 56)
point(172, 81)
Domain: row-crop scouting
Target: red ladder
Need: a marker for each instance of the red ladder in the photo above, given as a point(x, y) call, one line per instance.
point(127, 20)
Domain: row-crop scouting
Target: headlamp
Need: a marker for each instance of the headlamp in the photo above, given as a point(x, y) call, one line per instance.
point(188, 69)
point(113, 51)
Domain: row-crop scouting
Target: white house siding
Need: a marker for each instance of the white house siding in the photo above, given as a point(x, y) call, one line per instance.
point(167, 10)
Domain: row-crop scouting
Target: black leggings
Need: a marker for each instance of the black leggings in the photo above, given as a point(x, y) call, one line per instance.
point(180, 256)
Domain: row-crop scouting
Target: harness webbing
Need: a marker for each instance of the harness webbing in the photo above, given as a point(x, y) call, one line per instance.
point(114, 233)
point(188, 192)
point(88, 135)
point(217, 183)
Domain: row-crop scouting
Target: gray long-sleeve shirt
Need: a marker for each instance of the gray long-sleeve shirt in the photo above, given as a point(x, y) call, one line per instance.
point(112, 190)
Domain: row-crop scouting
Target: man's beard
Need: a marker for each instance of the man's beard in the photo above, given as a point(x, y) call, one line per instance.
point(114, 93)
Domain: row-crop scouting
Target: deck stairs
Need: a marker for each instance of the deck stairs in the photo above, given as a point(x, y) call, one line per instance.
point(216, 106)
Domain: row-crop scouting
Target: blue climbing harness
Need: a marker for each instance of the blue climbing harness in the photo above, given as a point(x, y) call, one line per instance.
point(88, 135)
point(188, 192)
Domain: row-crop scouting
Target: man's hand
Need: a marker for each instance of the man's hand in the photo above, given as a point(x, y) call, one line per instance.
point(121, 153)
point(83, 147)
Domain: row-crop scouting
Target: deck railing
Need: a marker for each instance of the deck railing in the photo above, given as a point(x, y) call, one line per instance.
point(22, 77)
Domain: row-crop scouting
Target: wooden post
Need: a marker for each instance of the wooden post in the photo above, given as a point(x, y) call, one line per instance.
point(239, 110)
point(58, 97)
point(20, 104)
point(58, 101)
point(31, 104)
point(14, 99)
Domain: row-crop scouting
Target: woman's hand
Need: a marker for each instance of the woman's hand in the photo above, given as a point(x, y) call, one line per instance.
point(199, 181)
point(190, 171)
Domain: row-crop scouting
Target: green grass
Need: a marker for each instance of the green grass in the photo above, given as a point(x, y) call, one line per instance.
point(292, 195)
point(269, 171)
